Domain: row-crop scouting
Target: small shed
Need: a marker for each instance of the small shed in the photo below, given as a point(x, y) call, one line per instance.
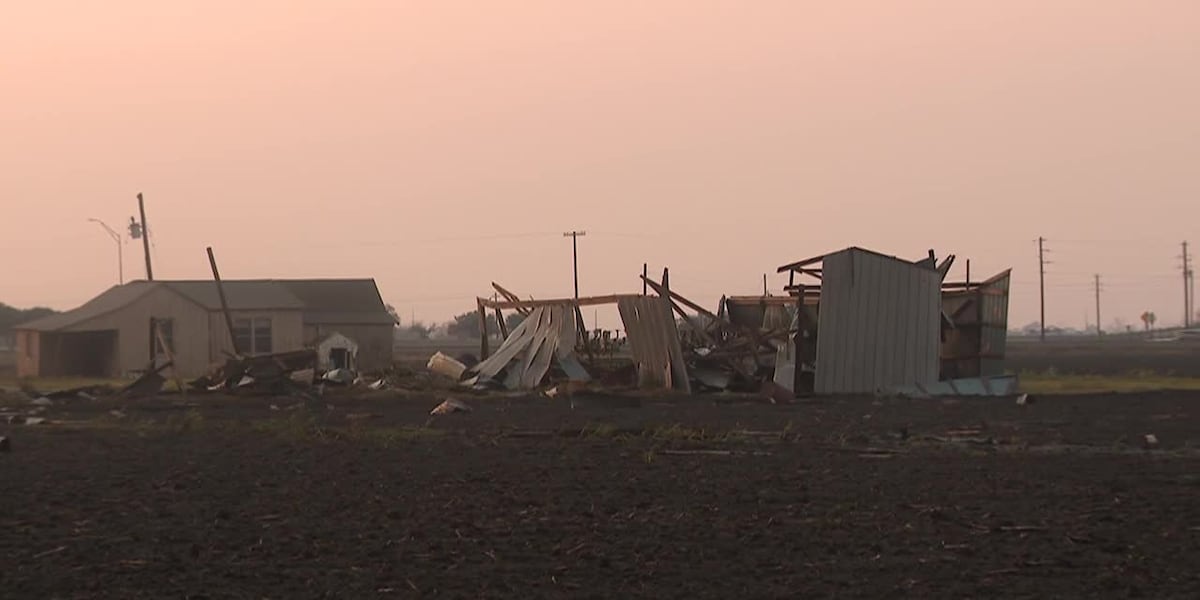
point(878, 320)
point(336, 351)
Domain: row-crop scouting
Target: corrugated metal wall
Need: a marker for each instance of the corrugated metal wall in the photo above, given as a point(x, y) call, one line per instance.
point(879, 323)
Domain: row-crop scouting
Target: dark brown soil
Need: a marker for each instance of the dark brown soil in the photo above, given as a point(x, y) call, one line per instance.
point(368, 497)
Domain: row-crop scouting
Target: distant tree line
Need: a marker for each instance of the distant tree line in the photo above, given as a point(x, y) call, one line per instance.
point(11, 317)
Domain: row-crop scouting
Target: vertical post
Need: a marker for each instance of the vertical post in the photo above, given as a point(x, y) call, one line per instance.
point(501, 324)
point(1042, 283)
point(153, 338)
point(575, 262)
point(1099, 327)
point(968, 273)
point(483, 333)
point(145, 238)
point(1187, 300)
point(212, 261)
point(765, 285)
point(645, 274)
point(1192, 293)
point(798, 388)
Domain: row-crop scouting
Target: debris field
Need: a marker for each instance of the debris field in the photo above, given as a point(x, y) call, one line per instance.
point(362, 493)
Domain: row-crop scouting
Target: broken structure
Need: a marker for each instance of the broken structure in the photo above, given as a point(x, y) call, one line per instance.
point(112, 334)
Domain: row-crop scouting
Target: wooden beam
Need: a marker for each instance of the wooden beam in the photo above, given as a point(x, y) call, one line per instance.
point(501, 324)
point(212, 261)
point(801, 263)
point(531, 304)
point(483, 332)
point(768, 301)
point(511, 297)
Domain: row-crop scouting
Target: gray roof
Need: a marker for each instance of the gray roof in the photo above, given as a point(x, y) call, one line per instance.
point(112, 299)
point(340, 301)
point(242, 294)
point(324, 301)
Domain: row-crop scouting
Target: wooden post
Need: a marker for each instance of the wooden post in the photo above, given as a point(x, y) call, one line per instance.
point(170, 354)
point(483, 332)
point(145, 238)
point(153, 354)
point(212, 261)
point(501, 324)
point(798, 346)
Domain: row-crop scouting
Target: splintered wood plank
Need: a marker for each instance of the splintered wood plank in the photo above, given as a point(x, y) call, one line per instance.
point(520, 339)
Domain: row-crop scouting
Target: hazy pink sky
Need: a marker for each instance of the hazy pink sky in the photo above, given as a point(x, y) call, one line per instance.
point(439, 145)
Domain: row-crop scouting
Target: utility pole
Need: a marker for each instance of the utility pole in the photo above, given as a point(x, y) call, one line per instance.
point(1099, 327)
point(120, 255)
point(575, 235)
point(765, 285)
point(145, 238)
point(1042, 282)
point(1187, 295)
point(1192, 293)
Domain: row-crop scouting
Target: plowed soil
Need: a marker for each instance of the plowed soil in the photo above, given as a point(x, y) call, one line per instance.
point(362, 496)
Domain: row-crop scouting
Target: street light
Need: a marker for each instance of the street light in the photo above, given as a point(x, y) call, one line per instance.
point(120, 258)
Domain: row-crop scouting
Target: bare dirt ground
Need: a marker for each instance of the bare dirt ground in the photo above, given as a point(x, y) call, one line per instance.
point(357, 496)
point(1118, 355)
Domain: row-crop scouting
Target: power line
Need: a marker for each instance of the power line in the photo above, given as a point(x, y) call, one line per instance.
point(1042, 283)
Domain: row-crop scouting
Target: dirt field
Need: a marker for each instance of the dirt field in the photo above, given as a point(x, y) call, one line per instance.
point(1113, 356)
point(352, 497)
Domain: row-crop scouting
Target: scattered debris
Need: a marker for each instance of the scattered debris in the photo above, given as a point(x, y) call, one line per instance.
point(523, 359)
point(1150, 441)
point(339, 376)
point(35, 420)
point(149, 384)
point(1024, 399)
point(1005, 385)
point(5, 444)
point(49, 552)
point(450, 405)
point(444, 365)
point(117, 413)
point(42, 401)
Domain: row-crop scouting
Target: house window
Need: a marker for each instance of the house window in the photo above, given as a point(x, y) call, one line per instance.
point(253, 336)
point(166, 329)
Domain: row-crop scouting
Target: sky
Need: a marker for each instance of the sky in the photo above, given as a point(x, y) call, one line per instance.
point(439, 146)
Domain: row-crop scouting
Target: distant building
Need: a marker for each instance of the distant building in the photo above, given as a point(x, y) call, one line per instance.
point(110, 335)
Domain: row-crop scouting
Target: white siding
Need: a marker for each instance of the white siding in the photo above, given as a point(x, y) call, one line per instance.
point(879, 323)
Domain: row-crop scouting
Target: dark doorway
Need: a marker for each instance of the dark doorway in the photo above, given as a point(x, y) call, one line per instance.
point(81, 354)
point(339, 358)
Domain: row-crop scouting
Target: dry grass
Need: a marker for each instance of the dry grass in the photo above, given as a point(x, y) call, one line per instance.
point(1051, 383)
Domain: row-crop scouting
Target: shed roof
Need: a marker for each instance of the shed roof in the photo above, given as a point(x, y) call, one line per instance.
point(816, 259)
point(245, 294)
point(324, 301)
point(111, 299)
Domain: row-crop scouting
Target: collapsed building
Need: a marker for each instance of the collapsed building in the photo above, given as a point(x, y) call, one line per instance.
point(853, 321)
point(124, 329)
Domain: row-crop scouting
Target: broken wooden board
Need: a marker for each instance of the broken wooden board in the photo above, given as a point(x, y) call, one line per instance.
point(654, 342)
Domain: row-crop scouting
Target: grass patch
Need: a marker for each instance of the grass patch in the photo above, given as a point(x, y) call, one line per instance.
point(56, 384)
point(1052, 383)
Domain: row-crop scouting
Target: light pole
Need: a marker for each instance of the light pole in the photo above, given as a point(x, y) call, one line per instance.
point(120, 256)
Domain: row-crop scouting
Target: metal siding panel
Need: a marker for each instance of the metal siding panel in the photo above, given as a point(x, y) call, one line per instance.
point(892, 356)
point(905, 290)
point(830, 333)
point(857, 362)
point(932, 308)
point(851, 305)
point(869, 288)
